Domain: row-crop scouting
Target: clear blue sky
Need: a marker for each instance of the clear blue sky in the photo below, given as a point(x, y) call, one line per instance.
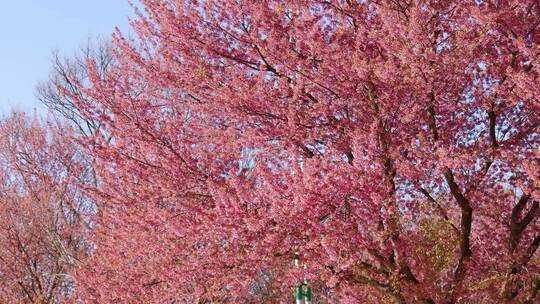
point(31, 29)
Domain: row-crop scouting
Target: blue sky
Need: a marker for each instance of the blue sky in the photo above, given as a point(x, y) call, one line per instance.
point(31, 29)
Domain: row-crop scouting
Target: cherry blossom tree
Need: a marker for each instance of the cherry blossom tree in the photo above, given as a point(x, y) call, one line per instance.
point(393, 144)
point(41, 229)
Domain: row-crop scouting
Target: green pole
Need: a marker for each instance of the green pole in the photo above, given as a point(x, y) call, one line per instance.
point(301, 296)
point(298, 294)
point(307, 294)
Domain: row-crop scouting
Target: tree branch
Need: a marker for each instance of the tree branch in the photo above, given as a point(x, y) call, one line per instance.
point(465, 228)
point(516, 226)
point(439, 207)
